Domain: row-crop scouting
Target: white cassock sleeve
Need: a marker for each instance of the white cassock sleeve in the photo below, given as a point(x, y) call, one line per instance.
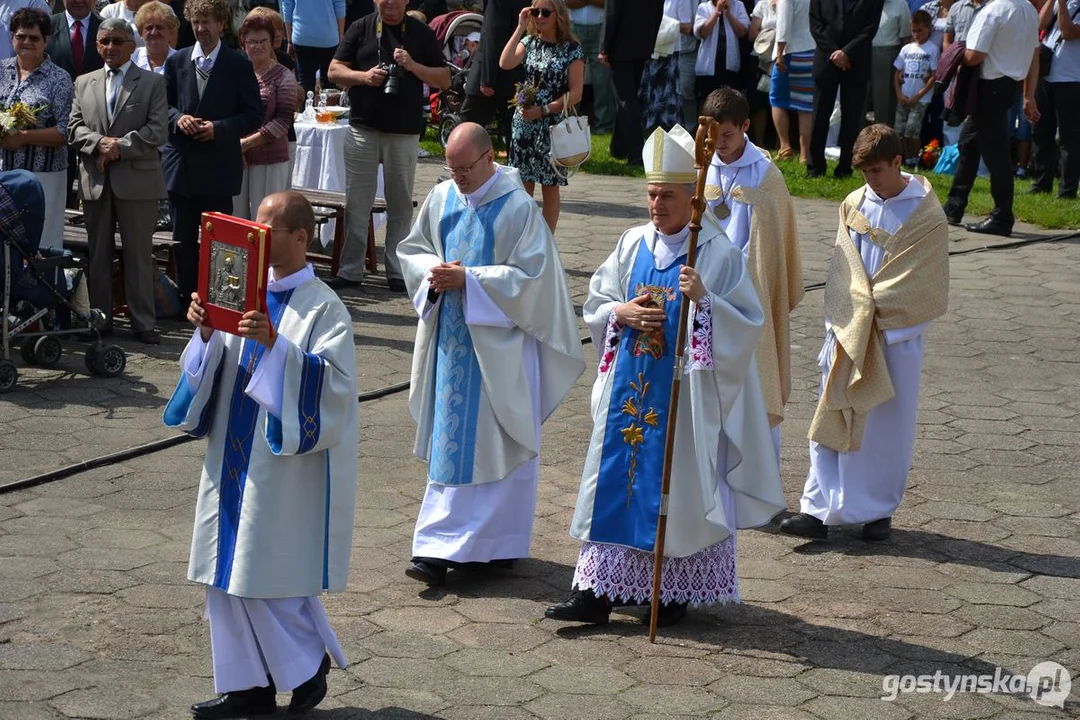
point(480, 309)
point(318, 386)
point(190, 408)
point(267, 382)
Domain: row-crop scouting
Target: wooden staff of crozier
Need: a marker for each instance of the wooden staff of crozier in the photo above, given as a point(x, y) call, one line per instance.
point(704, 146)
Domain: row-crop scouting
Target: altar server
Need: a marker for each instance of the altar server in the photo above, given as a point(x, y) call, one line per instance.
point(888, 279)
point(747, 194)
point(497, 349)
point(274, 517)
point(725, 475)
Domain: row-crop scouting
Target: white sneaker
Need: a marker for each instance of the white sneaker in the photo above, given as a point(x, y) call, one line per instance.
point(423, 153)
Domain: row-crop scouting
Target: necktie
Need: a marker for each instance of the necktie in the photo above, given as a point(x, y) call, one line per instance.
point(721, 44)
point(78, 47)
point(112, 86)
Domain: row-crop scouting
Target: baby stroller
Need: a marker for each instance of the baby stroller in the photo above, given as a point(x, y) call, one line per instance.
point(451, 30)
point(43, 289)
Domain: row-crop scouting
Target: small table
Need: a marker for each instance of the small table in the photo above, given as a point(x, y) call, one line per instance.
point(320, 165)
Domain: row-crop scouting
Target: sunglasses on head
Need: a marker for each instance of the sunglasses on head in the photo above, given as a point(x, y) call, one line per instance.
point(541, 12)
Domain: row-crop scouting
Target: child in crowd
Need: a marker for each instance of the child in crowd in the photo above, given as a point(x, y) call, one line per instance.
point(914, 82)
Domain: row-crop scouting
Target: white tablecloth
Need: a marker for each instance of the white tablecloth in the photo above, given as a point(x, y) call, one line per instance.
point(320, 163)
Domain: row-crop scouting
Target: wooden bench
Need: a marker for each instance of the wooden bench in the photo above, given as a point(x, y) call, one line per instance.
point(331, 206)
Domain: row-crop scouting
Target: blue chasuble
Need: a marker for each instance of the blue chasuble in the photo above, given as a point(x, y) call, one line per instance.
point(241, 430)
point(468, 236)
point(627, 499)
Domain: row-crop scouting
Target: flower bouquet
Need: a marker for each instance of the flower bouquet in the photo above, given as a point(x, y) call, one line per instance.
point(18, 116)
point(929, 155)
point(524, 95)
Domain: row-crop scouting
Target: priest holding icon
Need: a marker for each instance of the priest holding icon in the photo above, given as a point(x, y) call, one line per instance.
point(276, 397)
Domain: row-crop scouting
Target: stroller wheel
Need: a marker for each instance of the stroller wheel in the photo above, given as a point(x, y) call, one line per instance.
point(107, 361)
point(8, 376)
point(27, 351)
point(47, 351)
point(446, 127)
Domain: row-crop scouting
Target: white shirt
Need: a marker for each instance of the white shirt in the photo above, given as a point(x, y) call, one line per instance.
point(746, 171)
point(588, 15)
point(477, 196)
point(917, 63)
point(793, 26)
point(1066, 65)
point(7, 9)
point(85, 23)
point(120, 10)
point(1007, 31)
point(114, 81)
point(197, 53)
point(142, 60)
point(895, 24)
point(683, 11)
point(706, 56)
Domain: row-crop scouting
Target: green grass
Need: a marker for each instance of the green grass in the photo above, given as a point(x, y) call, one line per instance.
point(1042, 210)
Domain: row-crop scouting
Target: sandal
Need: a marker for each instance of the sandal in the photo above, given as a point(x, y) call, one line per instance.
point(785, 154)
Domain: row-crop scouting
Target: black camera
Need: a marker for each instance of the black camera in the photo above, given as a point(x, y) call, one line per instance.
point(394, 76)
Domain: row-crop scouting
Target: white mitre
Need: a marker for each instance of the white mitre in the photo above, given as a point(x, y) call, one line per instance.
point(669, 157)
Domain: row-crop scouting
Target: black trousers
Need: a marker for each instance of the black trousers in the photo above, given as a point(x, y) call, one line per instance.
point(1059, 105)
point(628, 138)
point(986, 134)
point(71, 198)
point(852, 88)
point(187, 210)
point(705, 84)
point(310, 59)
point(482, 109)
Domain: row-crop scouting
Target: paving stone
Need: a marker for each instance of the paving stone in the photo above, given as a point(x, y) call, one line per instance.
point(847, 708)
point(418, 644)
point(997, 616)
point(993, 594)
point(742, 689)
point(433, 620)
point(670, 699)
point(103, 704)
point(39, 656)
point(552, 706)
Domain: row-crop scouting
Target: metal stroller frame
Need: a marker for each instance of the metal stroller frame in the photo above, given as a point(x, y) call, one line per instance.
point(20, 318)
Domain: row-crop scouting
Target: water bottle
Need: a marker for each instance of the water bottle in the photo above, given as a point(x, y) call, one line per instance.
point(309, 109)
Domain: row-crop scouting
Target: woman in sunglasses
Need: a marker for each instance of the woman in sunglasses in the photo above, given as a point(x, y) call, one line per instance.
point(554, 66)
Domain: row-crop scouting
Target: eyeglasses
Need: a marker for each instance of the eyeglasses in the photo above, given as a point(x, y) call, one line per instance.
point(257, 43)
point(24, 38)
point(541, 12)
point(467, 169)
point(106, 42)
point(151, 27)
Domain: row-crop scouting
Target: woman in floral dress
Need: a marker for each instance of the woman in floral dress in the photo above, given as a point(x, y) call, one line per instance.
point(554, 66)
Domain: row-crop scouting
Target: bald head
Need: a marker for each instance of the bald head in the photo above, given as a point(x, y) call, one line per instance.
point(290, 215)
point(470, 157)
point(469, 136)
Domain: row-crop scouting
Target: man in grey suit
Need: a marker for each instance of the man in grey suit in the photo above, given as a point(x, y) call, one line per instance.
point(119, 119)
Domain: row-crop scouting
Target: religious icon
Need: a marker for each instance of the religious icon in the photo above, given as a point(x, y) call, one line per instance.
point(228, 267)
point(233, 266)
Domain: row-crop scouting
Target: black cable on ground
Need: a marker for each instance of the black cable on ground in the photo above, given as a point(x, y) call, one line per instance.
point(158, 445)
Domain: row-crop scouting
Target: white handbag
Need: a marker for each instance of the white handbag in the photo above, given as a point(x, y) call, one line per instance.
point(571, 140)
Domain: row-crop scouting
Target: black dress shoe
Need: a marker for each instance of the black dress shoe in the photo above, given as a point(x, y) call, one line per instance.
point(505, 564)
point(150, 337)
point(396, 285)
point(812, 173)
point(584, 607)
point(806, 526)
point(309, 694)
point(878, 530)
point(427, 570)
point(238, 704)
point(668, 615)
point(340, 283)
point(991, 226)
point(1036, 190)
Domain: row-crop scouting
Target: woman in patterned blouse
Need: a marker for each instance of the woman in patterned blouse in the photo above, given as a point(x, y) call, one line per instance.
point(30, 77)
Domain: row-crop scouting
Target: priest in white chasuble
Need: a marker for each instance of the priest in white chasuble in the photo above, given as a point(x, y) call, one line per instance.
point(274, 518)
point(747, 194)
point(497, 350)
point(889, 277)
point(725, 475)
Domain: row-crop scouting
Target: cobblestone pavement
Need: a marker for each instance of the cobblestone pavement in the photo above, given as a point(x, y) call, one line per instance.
point(97, 620)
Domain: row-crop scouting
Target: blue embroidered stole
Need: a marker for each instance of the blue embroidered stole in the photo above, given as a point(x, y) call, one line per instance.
point(468, 236)
point(239, 435)
point(632, 459)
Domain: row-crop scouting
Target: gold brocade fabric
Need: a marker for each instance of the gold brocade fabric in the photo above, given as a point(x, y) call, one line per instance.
point(910, 288)
point(776, 269)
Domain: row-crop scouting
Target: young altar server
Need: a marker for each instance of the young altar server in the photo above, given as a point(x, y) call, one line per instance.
point(497, 349)
point(274, 517)
point(747, 194)
point(888, 279)
point(725, 475)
